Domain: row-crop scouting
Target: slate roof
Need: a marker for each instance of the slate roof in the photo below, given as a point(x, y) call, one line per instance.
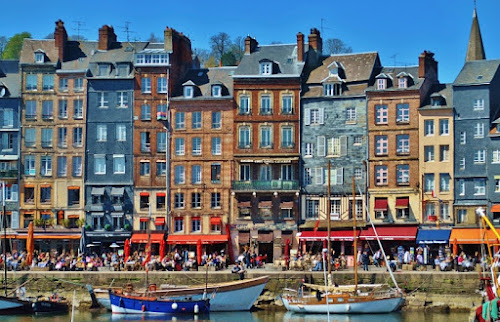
point(440, 90)
point(392, 72)
point(204, 78)
point(477, 72)
point(10, 78)
point(78, 55)
point(120, 52)
point(284, 56)
point(46, 45)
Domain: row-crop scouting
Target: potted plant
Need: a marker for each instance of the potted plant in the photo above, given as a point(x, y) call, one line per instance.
point(127, 227)
point(80, 222)
point(107, 227)
point(38, 222)
point(88, 227)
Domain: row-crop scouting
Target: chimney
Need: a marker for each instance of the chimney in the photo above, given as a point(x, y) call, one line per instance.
point(300, 47)
point(315, 41)
point(427, 66)
point(60, 38)
point(107, 37)
point(250, 45)
point(168, 35)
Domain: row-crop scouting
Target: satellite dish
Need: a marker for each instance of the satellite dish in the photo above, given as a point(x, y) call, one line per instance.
point(2, 91)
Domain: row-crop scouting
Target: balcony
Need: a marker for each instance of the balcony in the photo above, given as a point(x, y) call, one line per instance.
point(271, 185)
point(6, 174)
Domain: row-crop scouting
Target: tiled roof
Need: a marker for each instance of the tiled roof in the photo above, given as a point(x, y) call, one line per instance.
point(9, 77)
point(31, 45)
point(477, 72)
point(392, 72)
point(204, 78)
point(443, 91)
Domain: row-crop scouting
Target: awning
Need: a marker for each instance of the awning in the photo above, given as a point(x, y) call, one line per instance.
point(97, 191)
point(390, 233)
point(402, 202)
point(193, 239)
point(160, 221)
point(215, 221)
point(144, 194)
point(495, 208)
point(143, 238)
point(73, 188)
point(243, 237)
point(73, 216)
point(433, 236)
point(244, 204)
point(335, 235)
point(117, 191)
point(143, 219)
point(265, 237)
point(161, 194)
point(380, 204)
point(472, 235)
point(265, 204)
point(286, 205)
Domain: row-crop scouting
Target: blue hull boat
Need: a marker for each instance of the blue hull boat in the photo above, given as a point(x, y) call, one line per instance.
point(154, 305)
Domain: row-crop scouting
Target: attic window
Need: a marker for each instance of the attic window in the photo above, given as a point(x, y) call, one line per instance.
point(188, 91)
point(122, 70)
point(103, 70)
point(381, 83)
point(216, 91)
point(39, 58)
point(436, 101)
point(332, 89)
point(266, 68)
point(403, 82)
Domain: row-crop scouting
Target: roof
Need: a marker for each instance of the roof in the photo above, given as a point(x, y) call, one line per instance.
point(204, 78)
point(284, 56)
point(443, 91)
point(31, 45)
point(9, 77)
point(392, 73)
point(475, 48)
point(477, 72)
point(78, 55)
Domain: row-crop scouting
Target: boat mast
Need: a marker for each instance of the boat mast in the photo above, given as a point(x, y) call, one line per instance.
point(148, 248)
point(355, 240)
point(328, 220)
point(4, 223)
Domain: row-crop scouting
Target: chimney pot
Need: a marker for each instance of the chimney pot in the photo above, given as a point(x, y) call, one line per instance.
point(107, 37)
point(300, 47)
point(60, 39)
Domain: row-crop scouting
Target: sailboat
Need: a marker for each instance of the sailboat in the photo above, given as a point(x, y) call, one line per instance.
point(357, 298)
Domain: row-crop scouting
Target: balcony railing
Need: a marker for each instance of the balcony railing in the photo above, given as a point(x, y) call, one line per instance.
point(8, 173)
point(266, 185)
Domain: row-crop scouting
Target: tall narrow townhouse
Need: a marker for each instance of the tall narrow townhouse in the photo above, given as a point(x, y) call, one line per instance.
point(158, 67)
point(202, 160)
point(393, 147)
point(334, 131)
point(267, 86)
point(109, 141)
point(10, 108)
point(52, 149)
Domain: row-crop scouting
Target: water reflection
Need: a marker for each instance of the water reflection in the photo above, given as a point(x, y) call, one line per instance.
point(298, 317)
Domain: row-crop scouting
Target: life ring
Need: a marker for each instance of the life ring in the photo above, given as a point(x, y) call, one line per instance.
point(152, 288)
point(54, 298)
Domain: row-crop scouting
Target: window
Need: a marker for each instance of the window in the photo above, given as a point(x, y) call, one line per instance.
point(315, 116)
point(402, 82)
point(381, 83)
point(358, 140)
point(78, 109)
point(265, 105)
point(46, 166)
point(216, 120)
point(180, 176)
point(429, 127)
point(350, 114)
point(195, 224)
point(146, 112)
point(266, 68)
point(215, 173)
point(196, 146)
point(48, 82)
point(161, 168)
point(45, 194)
point(403, 144)
point(430, 209)
point(30, 110)
point(215, 201)
point(216, 146)
point(479, 187)
point(216, 91)
point(102, 133)
point(496, 156)
point(462, 163)
point(312, 209)
point(161, 83)
point(478, 104)
point(286, 172)
point(463, 138)
point(403, 174)
point(428, 153)
point(102, 99)
point(381, 145)
point(145, 168)
point(29, 137)
point(146, 85)
point(160, 201)
point(444, 127)
point(99, 164)
point(77, 136)
point(461, 187)
point(161, 142)
point(480, 156)
point(196, 174)
point(321, 143)
point(461, 216)
point(196, 120)
point(78, 85)
point(287, 140)
point(429, 182)
point(309, 150)
point(245, 174)
point(287, 104)
point(7, 141)
point(47, 110)
point(244, 141)
point(444, 182)
point(63, 109)
point(358, 173)
point(62, 137)
point(445, 211)
point(332, 89)
point(63, 84)
point(77, 166)
point(121, 132)
point(265, 173)
point(265, 137)
point(335, 208)
point(103, 69)
point(46, 138)
point(29, 165)
point(179, 121)
point(381, 114)
point(444, 153)
point(179, 146)
point(31, 82)
point(188, 91)
point(244, 104)
point(333, 147)
point(145, 142)
point(61, 167)
point(118, 164)
point(179, 200)
point(403, 113)
point(151, 59)
point(122, 70)
point(122, 99)
point(479, 131)
point(178, 224)
point(308, 176)
point(381, 175)
point(215, 224)
point(39, 57)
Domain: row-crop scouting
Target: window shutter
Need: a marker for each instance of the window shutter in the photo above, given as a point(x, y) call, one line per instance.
point(14, 192)
point(340, 176)
point(321, 146)
point(322, 116)
point(343, 145)
point(307, 116)
point(318, 176)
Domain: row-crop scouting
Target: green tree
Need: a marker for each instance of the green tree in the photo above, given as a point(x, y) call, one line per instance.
point(3, 42)
point(210, 62)
point(14, 45)
point(228, 59)
point(336, 46)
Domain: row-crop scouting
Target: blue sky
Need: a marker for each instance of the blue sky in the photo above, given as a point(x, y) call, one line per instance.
point(398, 30)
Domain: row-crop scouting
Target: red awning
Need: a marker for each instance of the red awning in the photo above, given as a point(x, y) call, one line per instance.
point(215, 221)
point(381, 204)
point(143, 238)
point(402, 202)
point(144, 219)
point(391, 233)
point(161, 194)
point(144, 194)
point(495, 208)
point(286, 205)
point(193, 239)
point(160, 221)
point(338, 235)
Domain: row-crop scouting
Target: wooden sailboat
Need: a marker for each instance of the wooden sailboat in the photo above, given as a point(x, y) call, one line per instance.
point(366, 298)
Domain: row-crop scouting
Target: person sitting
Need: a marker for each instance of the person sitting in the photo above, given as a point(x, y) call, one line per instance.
point(238, 269)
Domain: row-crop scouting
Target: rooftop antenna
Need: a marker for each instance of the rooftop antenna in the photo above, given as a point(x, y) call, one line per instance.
point(127, 30)
point(79, 28)
point(394, 58)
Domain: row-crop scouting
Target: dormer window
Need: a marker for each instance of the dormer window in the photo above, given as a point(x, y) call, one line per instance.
point(332, 89)
point(381, 83)
point(403, 82)
point(39, 57)
point(103, 70)
point(188, 91)
point(266, 68)
point(216, 91)
point(122, 70)
point(435, 101)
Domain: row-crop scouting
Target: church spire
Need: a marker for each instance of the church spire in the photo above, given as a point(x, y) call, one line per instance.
point(475, 48)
